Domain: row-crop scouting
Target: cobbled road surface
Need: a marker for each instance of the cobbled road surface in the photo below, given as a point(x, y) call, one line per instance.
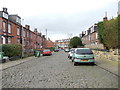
point(57, 71)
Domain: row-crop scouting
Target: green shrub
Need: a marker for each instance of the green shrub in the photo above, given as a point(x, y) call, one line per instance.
point(12, 50)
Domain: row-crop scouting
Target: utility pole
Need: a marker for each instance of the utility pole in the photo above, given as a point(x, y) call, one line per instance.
point(46, 39)
point(119, 8)
point(22, 38)
point(46, 33)
point(0, 31)
point(0, 35)
point(106, 14)
point(69, 35)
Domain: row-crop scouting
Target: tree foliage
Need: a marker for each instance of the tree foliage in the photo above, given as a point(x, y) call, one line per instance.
point(75, 42)
point(108, 33)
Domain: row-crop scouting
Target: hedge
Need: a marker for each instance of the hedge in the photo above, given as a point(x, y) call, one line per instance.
point(108, 33)
point(11, 50)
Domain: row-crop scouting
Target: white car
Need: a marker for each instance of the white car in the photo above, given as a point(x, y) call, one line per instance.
point(71, 53)
point(66, 50)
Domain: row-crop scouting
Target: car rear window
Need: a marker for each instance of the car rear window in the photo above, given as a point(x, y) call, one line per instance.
point(84, 51)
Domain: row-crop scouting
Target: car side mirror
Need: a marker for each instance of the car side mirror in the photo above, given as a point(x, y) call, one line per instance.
point(73, 52)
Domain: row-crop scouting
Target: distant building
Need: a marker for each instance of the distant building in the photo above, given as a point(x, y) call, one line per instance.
point(63, 43)
point(49, 43)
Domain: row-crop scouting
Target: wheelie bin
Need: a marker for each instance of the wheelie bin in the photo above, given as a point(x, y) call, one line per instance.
point(37, 53)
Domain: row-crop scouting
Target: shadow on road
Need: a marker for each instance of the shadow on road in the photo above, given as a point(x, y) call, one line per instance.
point(85, 64)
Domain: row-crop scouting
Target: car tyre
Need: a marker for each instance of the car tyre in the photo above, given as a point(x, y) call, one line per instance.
point(75, 63)
point(92, 63)
point(73, 59)
point(68, 56)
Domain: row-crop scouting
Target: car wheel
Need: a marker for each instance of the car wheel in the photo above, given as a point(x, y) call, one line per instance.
point(75, 63)
point(70, 57)
point(92, 63)
point(72, 60)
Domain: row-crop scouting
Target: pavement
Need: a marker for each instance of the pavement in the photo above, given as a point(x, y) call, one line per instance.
point(16, 62)
point(109, 65)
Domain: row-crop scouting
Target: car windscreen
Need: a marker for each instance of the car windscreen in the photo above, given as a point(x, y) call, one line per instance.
point(56, 49)
point(46, 50)
point(84, 51)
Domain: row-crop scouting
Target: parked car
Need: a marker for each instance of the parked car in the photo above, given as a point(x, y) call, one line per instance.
point(70, 54)
point(56, 50)
point(46, 52)
point(83, 55)
point(66, 50)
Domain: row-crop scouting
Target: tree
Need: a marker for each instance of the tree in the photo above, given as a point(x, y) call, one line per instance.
point(102, 33)
point(75, 42)
point(111, 30)
point(108, 32)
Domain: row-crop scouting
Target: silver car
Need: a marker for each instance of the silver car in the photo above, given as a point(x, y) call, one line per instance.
point(70, 54)
point(83, 55)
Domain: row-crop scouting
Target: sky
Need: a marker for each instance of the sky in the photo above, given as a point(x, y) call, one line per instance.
point(62, 18)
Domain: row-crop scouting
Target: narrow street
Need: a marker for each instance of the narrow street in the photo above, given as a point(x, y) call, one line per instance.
point(57, 71)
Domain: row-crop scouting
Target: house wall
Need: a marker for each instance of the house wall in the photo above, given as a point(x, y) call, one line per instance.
point(29, 39)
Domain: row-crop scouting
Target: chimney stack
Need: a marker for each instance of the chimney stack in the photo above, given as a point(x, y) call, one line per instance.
point(27, 26)
point(35, 31)
point(43, 36)
point(105, 18)
point(40, 34)
point(5, 10)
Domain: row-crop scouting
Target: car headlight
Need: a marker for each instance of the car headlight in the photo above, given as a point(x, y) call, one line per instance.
point(77, 58)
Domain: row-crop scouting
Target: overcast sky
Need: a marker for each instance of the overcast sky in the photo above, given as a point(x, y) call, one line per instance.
point(62, 18)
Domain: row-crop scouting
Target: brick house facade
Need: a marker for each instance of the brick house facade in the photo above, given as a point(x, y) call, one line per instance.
point(90, 37)
point(12, 32)
point(49, 43)
point(63, 43)
point(10, 29)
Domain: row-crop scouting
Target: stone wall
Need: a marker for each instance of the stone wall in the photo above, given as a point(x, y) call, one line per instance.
point(111, 55)
point(95, 46)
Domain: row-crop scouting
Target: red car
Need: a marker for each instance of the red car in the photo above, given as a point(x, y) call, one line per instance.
point(46, 52)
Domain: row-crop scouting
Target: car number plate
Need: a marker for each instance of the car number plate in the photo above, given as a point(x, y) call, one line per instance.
point(84, 60)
